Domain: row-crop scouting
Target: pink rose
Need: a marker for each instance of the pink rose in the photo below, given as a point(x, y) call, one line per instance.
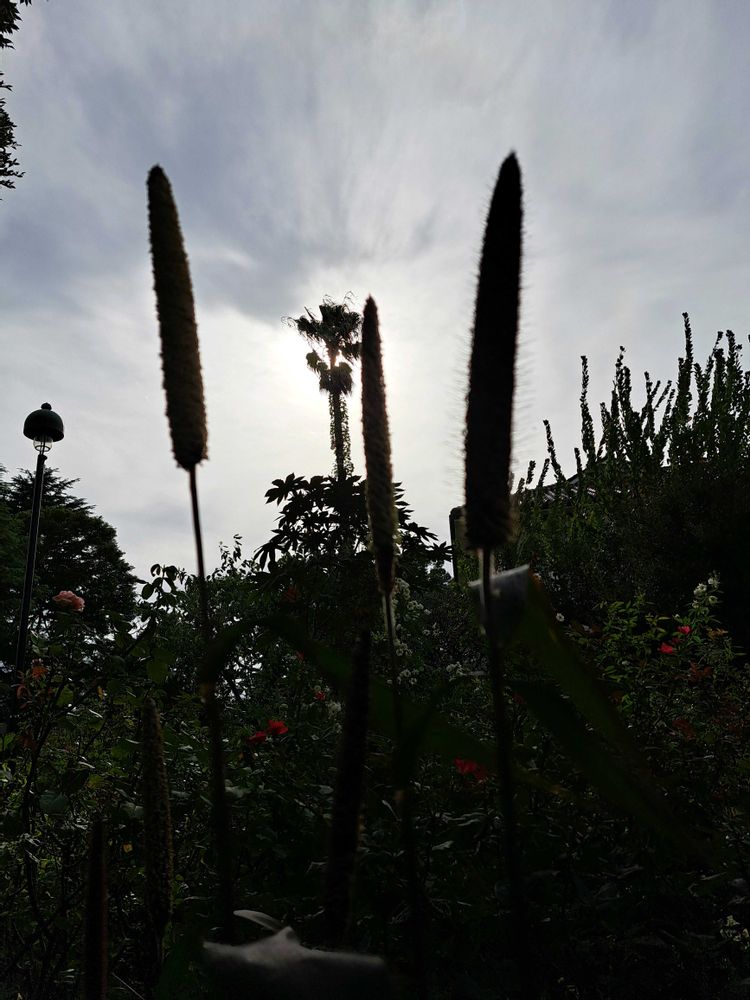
point(69, 601)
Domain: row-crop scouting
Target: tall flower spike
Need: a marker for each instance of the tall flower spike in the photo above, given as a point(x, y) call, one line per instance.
point(157, 822)
point(492, 372)
point(180, 356)
point(380, 504)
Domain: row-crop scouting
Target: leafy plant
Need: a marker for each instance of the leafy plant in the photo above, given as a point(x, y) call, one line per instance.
point(657, 502)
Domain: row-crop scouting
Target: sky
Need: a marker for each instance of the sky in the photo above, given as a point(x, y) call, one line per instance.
point(345, 146)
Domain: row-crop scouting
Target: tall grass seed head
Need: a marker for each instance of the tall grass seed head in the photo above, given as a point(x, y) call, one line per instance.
point(492, 369)
point(183, 383)
point(381, 507)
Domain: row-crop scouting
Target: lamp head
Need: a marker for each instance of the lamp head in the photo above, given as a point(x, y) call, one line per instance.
point(44, 427)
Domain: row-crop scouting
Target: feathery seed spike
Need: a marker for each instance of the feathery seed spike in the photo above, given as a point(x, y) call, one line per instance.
point(492, 371)
point(381, 508)
point(180, 354)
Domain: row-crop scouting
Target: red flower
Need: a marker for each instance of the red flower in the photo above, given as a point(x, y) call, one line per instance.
point(258, 737)
point(470, 767)
point(666, 648)
point(290, 595)
point(300, 656)
point(277, 728)
point(320, 696)
point(518, 698)
point(38, 670)
point(684, 629)
point(69, 601)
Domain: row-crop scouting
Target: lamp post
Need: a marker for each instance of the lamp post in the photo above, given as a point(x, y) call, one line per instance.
point(44, 427)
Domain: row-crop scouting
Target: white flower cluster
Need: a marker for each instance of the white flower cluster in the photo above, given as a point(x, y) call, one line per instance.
point(400, 648)
point(704, 593)
point(333, 708)
point(454, 670)
point(731, 931)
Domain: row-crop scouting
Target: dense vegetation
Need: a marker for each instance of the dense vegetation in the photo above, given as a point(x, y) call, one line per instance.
point(627, 701)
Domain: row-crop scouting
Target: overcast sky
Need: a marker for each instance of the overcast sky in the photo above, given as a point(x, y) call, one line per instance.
point(319, 148)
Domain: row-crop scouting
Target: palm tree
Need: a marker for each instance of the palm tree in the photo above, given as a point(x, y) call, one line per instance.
point(335, 335)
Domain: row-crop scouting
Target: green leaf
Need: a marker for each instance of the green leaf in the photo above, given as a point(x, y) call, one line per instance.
point(219, 652)
point(65, 697)
point(178, 974)
point(158, 665)
point(6, 741)
point(54, 803)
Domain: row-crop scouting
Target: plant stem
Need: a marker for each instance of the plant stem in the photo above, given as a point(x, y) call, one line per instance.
point(222, 833)
point(199, 553)
point(390, 625)
point(504, 746)
point(405, 801)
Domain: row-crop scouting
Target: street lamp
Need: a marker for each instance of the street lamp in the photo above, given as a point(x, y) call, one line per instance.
point(44, 427)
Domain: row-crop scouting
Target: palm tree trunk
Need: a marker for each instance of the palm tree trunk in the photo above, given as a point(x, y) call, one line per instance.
point(338, 436)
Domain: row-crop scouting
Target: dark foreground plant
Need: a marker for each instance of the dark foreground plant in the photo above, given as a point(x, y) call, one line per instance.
point(157, 828)
point(96, 958)
point(381, 509)
point(186, 412)
point(488, 439)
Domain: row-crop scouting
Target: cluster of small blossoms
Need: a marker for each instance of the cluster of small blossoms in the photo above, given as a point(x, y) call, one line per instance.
point(400, 648)
point(408, 677)
point(454, 670)
point(705, 593)
point(731, 931)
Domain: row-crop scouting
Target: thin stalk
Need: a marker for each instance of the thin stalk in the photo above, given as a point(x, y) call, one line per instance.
point(391, 632)
point(202, 589)
point(347, 800)
point(504, 747)
point(405, 803)
point(96, 938)
point(157, 830)
point(222, 831)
